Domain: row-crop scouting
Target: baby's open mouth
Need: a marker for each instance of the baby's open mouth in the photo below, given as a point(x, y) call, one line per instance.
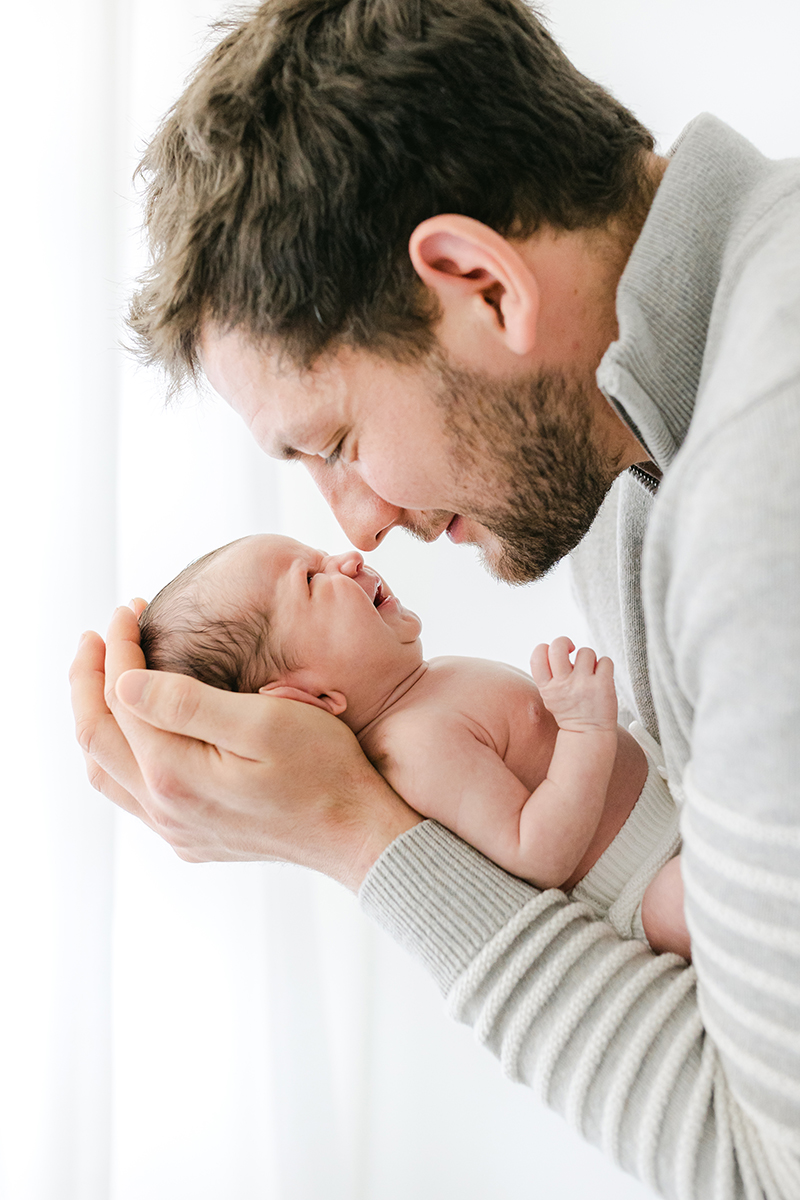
point(373, 585)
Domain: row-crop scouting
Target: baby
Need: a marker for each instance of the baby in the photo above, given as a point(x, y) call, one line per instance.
point(533, 772)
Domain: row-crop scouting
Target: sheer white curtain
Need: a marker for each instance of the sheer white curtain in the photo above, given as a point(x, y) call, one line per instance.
point(179, 1032)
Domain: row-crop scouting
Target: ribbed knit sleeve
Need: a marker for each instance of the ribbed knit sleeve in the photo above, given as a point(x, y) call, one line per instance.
point(604, 1031)
point(688, 1076)
point(725, 552)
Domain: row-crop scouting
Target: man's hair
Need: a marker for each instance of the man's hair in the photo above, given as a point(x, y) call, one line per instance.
point(284, 184)
point(183, 630)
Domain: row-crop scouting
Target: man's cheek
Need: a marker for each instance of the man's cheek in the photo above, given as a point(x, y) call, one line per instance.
point(420, 483)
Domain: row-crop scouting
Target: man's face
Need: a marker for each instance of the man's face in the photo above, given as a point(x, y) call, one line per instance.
point(512, 467)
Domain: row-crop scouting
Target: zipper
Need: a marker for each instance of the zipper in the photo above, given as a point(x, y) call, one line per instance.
point(648, 475)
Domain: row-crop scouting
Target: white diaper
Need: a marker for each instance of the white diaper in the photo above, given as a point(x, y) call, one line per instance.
point(616, 884)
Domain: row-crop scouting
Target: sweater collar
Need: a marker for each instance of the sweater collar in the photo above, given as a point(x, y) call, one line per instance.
point(667, 290)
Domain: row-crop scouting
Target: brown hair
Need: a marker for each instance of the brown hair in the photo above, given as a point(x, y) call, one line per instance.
point(182, 630)
point(283, 186)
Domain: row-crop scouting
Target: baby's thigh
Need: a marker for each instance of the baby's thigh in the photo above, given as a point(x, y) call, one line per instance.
point(662, 911)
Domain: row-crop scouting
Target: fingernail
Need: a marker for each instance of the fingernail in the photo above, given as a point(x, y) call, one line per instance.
point(132, 686)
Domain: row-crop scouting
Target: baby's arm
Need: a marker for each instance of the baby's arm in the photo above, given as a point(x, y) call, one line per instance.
point(443, 767)
point(582, 699)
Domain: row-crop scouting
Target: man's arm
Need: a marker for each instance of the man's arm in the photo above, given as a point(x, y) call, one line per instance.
point(604, 1031)
point(730, 542)
point(224, 776)
point(689, 1076)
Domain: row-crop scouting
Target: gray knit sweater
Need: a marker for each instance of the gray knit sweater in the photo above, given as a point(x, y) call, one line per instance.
point(689, 1077)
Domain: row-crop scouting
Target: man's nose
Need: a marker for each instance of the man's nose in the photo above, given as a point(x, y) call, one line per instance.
point(363, 515)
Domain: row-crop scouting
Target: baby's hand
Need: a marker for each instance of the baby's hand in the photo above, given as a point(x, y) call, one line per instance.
point(581, 697)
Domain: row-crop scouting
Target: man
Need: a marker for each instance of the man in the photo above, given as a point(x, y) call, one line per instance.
point(414, 248)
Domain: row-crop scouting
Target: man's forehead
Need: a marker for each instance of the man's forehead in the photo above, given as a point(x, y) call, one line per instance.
point(234, 359)
point(258, 382)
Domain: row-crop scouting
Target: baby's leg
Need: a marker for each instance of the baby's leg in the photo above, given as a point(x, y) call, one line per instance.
point(662, 911)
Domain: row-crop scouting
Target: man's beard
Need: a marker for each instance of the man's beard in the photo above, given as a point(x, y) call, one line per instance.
point(532, 446)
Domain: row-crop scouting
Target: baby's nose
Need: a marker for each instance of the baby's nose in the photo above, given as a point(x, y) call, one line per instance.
point(349, 563)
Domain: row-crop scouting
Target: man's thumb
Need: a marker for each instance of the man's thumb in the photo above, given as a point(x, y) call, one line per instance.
point(132, 687)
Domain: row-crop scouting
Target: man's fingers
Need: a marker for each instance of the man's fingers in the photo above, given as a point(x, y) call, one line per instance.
point(87, 687)
point(240, 723)
point(141, 742)
point(123, 651)
point(102, 782)
point(107, 752)
point(177, 704)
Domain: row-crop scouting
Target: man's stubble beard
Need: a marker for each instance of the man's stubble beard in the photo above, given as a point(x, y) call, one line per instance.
point(532, 446)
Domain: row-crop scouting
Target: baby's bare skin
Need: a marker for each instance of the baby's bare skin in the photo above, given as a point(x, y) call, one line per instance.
point(471, 741)
point(532, 771)
point(477, 745)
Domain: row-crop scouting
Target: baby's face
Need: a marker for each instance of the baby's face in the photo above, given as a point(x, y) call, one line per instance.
point(334, 619)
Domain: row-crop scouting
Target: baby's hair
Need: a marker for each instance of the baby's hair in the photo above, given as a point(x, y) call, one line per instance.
point(180, 631)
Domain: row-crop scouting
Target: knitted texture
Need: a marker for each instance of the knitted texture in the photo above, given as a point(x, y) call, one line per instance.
point(615, 885)
point(688, 1076)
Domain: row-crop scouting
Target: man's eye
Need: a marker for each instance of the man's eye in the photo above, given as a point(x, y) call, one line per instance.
point(335, 454)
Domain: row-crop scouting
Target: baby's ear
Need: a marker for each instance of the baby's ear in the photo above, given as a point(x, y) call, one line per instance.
point(334, 702)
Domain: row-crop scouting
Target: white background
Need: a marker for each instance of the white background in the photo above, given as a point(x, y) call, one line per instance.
point(170, 1032)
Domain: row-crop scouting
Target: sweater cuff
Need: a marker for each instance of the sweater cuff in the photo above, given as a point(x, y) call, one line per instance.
point(440, 898)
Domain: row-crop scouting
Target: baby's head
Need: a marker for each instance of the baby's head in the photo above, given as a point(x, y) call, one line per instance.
point(202, 624)
point(268, 614)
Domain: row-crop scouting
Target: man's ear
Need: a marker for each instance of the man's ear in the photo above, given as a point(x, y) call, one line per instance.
point(480, 279)
point(333, 702)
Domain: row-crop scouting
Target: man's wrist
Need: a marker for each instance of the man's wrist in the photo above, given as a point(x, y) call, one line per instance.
point(377, 838)
point(372, 816)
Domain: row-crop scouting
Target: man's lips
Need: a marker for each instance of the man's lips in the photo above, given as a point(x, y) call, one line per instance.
point(455, 529)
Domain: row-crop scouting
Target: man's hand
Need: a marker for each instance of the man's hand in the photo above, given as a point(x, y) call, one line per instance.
point(581, 697)
point(227, 776)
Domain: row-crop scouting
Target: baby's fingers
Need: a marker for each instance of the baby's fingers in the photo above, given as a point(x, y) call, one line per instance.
point(605, 669)
point(585, 661)
point(560, 651)
point(540, 665)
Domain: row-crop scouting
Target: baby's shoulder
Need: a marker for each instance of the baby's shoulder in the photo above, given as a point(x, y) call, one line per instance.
point(478, 678)
point(433, 706)
point(411, 731)
point(477, 694)
point(459, 699)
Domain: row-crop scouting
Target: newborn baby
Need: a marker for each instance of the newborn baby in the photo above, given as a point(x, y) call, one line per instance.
point(533, 772)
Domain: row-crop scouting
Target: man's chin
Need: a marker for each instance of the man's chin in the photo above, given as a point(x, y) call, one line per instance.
point(492, 551)
point(501, 565)
point(506, 562)
point(499, 556)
